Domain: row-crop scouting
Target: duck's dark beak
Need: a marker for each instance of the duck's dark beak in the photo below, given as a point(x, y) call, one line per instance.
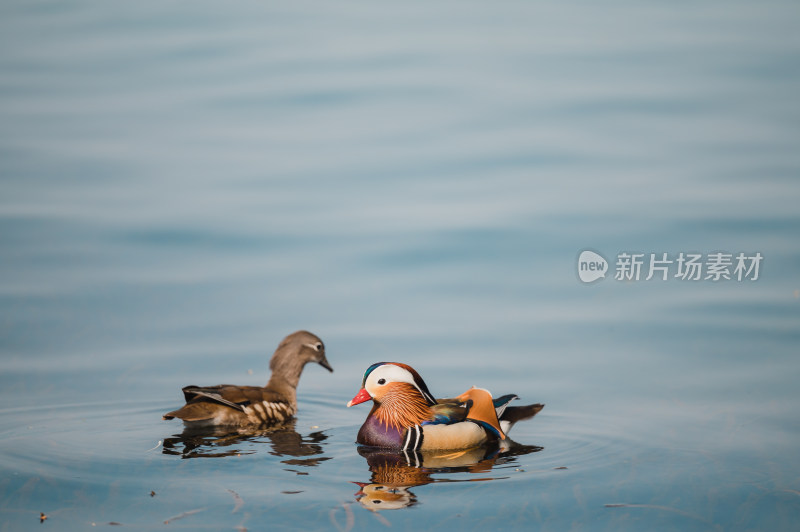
point(324, 364)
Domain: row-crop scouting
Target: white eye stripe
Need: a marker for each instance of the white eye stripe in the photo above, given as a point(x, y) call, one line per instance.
point(389, 373)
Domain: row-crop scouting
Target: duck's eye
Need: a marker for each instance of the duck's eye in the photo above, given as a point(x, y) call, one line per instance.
point(381, 381)
point(318, 346)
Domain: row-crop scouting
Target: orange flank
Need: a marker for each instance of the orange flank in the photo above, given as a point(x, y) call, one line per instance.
point(482, 408)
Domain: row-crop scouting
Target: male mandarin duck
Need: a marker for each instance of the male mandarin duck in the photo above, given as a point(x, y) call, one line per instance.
point(405, 415)
point(228, 404)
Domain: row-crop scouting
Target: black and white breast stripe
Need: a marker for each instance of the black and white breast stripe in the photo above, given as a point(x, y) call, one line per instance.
point(413, 439)
point(417, 462)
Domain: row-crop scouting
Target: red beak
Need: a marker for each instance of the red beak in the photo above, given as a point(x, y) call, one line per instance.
point(360, 397)
point(361, 486)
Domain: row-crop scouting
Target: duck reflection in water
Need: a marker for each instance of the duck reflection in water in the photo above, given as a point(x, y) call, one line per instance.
point(218, 442)
point(395, 472)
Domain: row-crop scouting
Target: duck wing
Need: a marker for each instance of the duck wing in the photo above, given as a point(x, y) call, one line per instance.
point(207, 402)
point(519, 413)
point(224, 394)
point(501, 403)
point(452, 410)
point(448, 411)
point(513, 414)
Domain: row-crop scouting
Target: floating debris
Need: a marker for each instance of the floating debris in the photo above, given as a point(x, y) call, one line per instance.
point(42, 517)
point(184, 514)
point(239, 502)
point(152, 493)
point(156, 447)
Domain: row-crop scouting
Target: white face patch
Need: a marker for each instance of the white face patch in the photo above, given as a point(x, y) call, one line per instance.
point(383, 375)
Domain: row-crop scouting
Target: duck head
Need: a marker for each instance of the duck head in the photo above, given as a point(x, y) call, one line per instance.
point(293, 353)
point(300, 347)
point(385, 380)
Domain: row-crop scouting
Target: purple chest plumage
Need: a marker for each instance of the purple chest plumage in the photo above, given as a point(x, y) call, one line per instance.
point(376, 434)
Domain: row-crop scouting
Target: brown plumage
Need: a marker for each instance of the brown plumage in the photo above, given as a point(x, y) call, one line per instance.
point(228, 404)
point(402, 407)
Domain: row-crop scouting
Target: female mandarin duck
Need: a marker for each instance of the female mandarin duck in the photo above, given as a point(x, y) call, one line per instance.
point(405, 415)
point(227, 404)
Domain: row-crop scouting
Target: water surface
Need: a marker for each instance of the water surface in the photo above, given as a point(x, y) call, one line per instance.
point(180, 188)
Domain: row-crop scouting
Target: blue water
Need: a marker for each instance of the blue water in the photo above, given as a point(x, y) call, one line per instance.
point(181, 186)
